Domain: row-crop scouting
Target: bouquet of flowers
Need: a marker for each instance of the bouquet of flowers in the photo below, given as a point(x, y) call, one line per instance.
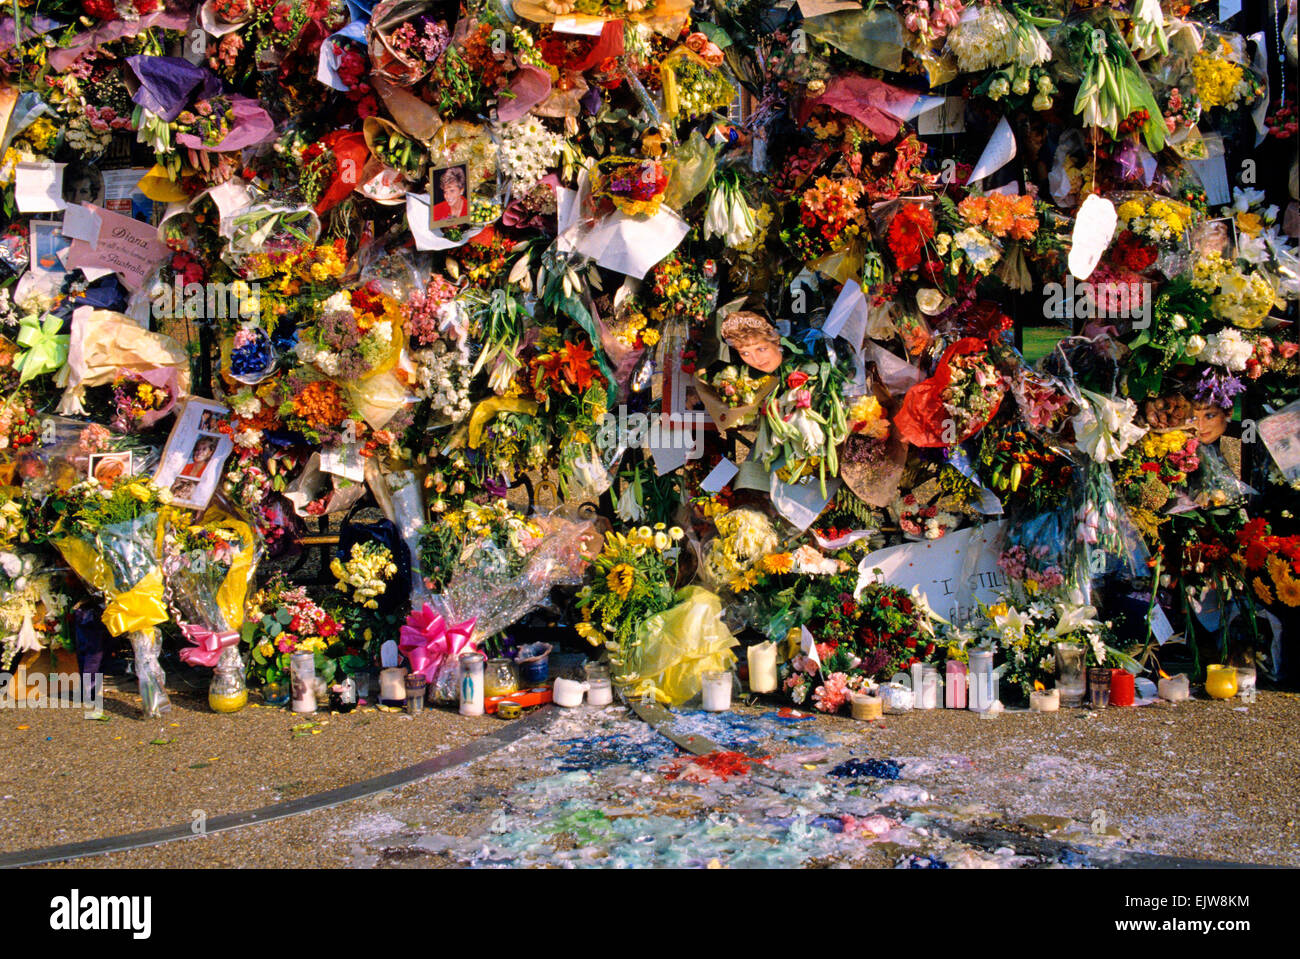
point(358, 335)
point(1221, 80)
point(142, 399)
point(860, 637)
point(957, 401)
point(283, 620)
point(1153, 472)
point(805, 421)
point(207, 568)
point(110, 539)
point(635, 186)
point(1241, 294)
point(693, 82)
point(491, 536)
point(1024, 636)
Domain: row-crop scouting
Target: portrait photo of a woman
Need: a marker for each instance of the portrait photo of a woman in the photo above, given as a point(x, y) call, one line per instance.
point(449, 197)
point(204, 448)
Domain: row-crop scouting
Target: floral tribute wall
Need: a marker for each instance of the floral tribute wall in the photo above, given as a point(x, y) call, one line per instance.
point(891, 334)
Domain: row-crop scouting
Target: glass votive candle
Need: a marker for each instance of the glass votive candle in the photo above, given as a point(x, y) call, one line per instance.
point(599, 690)
point(415, 684)
point(1245, 680)
point(1098, 687)
point(1221, 681)
point(392, 686)
point(1122, 689)
point(1174, 689)
point(500, 678)
point(716, 690)
point(1044, 700)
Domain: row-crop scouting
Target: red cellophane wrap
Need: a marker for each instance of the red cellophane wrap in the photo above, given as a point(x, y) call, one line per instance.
point(347, 146)
point(921, 419)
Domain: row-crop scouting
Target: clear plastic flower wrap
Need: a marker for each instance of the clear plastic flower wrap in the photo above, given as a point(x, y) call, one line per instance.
point(208, 564)
point(111, 539)
point(496, 586)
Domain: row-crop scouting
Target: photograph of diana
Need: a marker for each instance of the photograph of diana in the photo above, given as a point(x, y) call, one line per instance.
point(449, 191)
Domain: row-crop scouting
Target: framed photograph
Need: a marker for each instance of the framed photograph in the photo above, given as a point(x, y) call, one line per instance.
point(49, 247)
point(449, 192)
point(194, 457)
point(108, 468)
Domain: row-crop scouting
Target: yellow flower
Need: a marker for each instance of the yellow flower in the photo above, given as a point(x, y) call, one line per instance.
point(649, 337)
point(589, 633)
point(620, 580)
point(1262, 591)
point(139, 491)
point(777, 563)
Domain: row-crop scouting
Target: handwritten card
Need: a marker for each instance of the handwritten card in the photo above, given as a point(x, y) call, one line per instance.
point(129, 248)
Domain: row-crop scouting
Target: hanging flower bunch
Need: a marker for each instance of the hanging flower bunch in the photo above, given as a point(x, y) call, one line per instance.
point(1242, 295)
point(364, 576)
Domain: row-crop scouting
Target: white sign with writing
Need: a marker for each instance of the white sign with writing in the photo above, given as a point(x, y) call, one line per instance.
point(937, 567)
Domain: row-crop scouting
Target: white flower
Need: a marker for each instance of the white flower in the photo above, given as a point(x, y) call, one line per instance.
point(1104, 426)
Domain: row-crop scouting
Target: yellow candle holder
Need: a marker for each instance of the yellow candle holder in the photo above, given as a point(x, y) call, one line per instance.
point(1221, 681)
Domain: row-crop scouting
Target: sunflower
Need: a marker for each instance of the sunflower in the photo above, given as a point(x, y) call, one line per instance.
point(620, 580)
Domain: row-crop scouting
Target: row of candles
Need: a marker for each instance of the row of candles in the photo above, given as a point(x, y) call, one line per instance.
point(974, 687)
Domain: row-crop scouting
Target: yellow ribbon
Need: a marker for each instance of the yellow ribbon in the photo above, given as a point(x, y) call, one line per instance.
point(140, 607)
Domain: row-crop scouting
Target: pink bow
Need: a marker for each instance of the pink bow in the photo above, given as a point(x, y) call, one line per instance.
point(427, 641)
point(208, 644)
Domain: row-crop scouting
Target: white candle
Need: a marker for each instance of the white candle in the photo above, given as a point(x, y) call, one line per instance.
point(302, 682)
point(392, 684)
point(717, 691)
point(599, 692)
point(471, 684)
point(762, 668)
point(1175, 689)
point(1045, 700)
point(1245, 681)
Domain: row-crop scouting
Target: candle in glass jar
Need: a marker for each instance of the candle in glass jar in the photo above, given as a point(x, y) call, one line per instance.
point(1175, 689)
point(302, 680)
point(392, 686)
point(1245, 680)
point(1044, 700)
point(1221, 681)
point(954, 690)
point(471, 683)
point(762, 667)
point(717, 691)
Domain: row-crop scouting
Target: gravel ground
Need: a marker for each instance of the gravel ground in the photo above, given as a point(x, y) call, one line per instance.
point(1204, 779)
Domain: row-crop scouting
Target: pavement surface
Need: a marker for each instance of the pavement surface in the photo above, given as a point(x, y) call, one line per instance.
point(1203, 780)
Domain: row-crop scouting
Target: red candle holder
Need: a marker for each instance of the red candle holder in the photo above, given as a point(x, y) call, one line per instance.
point(1121, 687)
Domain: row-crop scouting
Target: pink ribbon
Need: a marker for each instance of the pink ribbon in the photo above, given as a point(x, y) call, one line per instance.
point(427, 641)
point(208, 644)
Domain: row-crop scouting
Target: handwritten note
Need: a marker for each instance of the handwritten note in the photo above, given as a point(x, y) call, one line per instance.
point(129, 248)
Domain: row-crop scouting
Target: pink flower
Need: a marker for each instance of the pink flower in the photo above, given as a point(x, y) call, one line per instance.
point(831, 696)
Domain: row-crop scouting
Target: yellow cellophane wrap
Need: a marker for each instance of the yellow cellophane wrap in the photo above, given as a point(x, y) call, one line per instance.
point(487, 410)
point(693, 165)
point(379, 398)
point(232, 594)
point(668, 79)
point(678, 646)
point(139, 608)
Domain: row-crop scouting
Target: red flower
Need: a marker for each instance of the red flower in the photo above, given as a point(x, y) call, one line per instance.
point(796, 379)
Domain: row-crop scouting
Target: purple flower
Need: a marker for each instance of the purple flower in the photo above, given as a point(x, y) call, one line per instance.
point(1218, 389)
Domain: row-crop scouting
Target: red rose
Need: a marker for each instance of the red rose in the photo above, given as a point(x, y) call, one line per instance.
point(796, 379)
